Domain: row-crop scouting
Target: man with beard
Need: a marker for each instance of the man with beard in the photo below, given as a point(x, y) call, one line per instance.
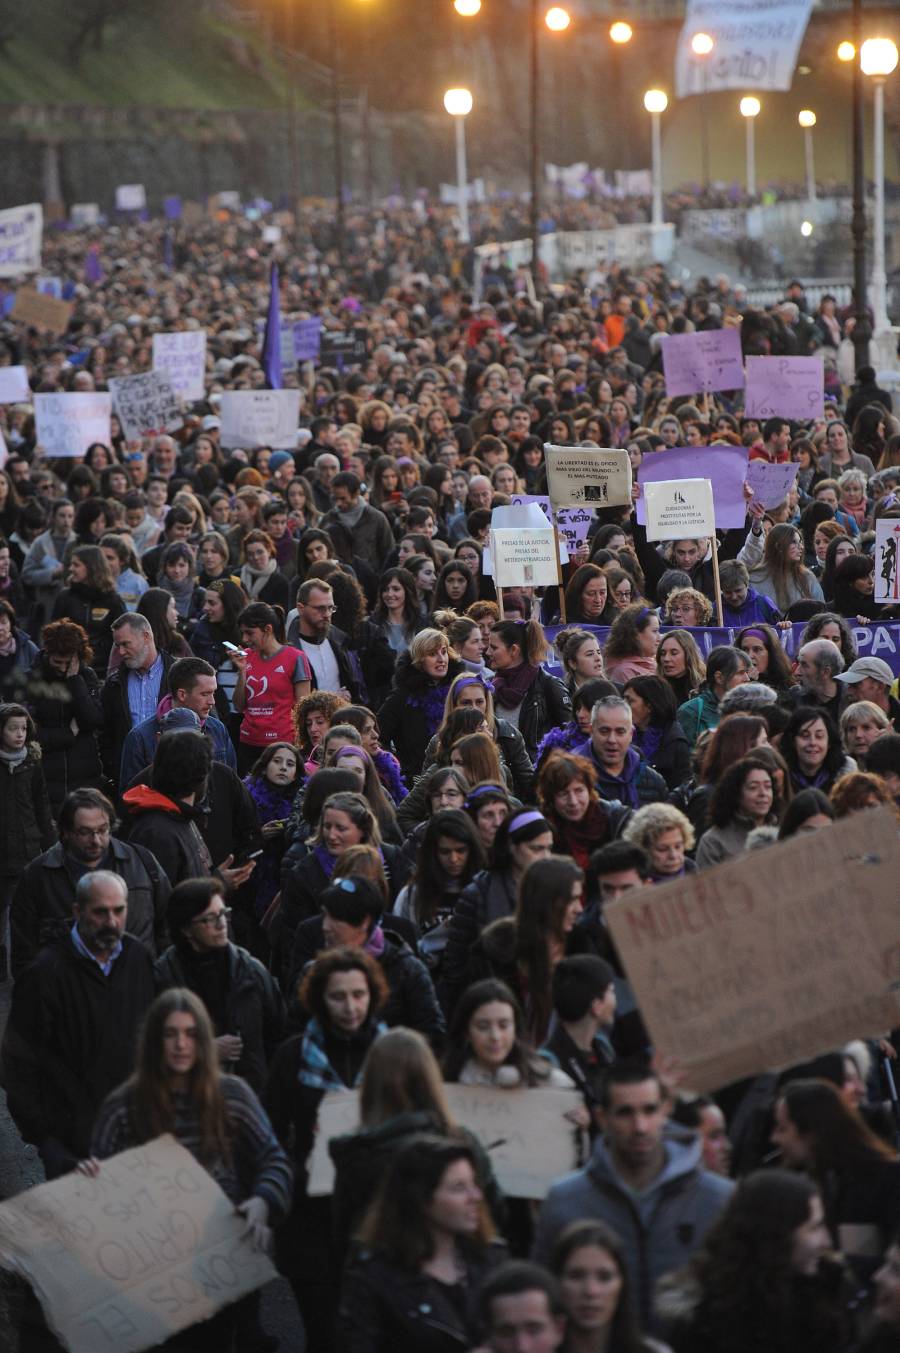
point(73, 1024)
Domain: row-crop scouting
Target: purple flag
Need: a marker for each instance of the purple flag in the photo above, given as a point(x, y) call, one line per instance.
point(93, 268)
point(271, 354)
point(169, 251)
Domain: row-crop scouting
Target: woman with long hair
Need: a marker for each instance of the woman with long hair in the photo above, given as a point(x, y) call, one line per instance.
point(525, 694)
point(581, 821)
point(632, 645)
point(589, 1261)
point(828, 625)
point(658, 735)
point(124, 569)
point(313, 716)
point(272, 678)
point(762, 645)
point(272, 784)
point(175, 575)
point(386, 764)
point(588, 597)
point(260, 575)
point(301, 505)
point(212, 555)
point(158, 607)
point(427, 1249)
point(839, 549)
point(385, 489)
point(680, 663)
point(776, 568)
point(487, 1043)
point(91, 601)
point(466, 636)
point(448, 858)
point(811, 746)
point(217, 628)
point(744, 798)
point(469, 691)
point(471, 555)
point(726, 667)
point(764, 1277)
point(733, 739)
point(396, 611)
point(854, 589)
point(455, 589)
point(178, 1088)
point(357, 761)
point(412, 713)
point(65, 702)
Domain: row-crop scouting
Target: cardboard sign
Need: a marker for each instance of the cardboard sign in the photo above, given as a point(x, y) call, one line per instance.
point(131, 197)
point(679, 509)
point(771, 484)
point(21, 233)
point(724, 466)
point(525, 557)
point(340, 349)
point(529, 1140)
point(124, 1261)
point(887, 564)
point(786, 387)
point(252, 418)
point(704, 361)
point(578, 476)
point(68, 424)
point(145, 404)
point(760, 963)
point(38, 310)
point(573, 524)
point(180, 359)
point(14, 387)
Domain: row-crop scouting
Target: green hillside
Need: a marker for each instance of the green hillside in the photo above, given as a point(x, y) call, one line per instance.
point(156, 53)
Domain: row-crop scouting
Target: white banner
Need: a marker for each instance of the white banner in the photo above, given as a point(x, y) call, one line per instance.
point(180, 358)
point(679, 509)
point(21, 231)
point(252, 418)
point(131, 197)
point(14, 385)
point(756, 44)
point(68, 424)
point(887, 562)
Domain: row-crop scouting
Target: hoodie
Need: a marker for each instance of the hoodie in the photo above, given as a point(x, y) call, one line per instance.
point(639, 783)
point(660, 1228)
point(169, 829)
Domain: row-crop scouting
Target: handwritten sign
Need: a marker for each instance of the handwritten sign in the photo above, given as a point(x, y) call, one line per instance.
point(14, 385)
point(21, 232)
point(680, 508)
point(786, 387)
point(759, 963)
point(121, 1262)
point(724, 466)
point(771, 484)
point(38, 310)
point(253, 418)
point(307, 337)
point(145, 404)
point(703, 361)
point(525, 1132)
point(573, 524)
point(180, 358)
point(340, 349)
point(578, 476)
point(68, 424)
point(887, 560)
point(525, 557)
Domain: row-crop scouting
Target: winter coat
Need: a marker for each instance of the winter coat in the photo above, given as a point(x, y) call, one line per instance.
point(70, 1040)
point(723, 843)
point(225, 818)
point(412, 1001)
point(168, 828)
point(15, 666)
point(638, 785)
point(254, 1006)
point(546, 705)
point(518, 770)
point(26, 823)
point(95, 611)
point(39, 573)
point(71, 760)
point(139, 747)
point(659, 1228)
point(699, 714)
point(490, 896)
point(752, 554)
point(413, 712)
point(385, 1309)
point(672, 758)
point(117, 715)
point(42, 905)
point(373, 538)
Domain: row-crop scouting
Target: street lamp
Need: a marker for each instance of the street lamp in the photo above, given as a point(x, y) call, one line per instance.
point(458, 103)
point(878, 59)
point(556, 19)
point(750, 108)
point(621, 32)
point(656, 102)
point(702, 45)
point(846, 51)
point(467, 8)
point(807, 119)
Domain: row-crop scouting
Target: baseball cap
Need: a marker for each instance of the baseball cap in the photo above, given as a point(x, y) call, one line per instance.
point(876, 668)
point(210, 422)
point(180, 718)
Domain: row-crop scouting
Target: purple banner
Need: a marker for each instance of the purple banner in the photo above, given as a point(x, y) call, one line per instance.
point(725, 466)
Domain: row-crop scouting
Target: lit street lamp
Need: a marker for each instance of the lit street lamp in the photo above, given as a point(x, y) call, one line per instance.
point(621, 32)
point(656, 101)
point(702, 45)
point(878, 59)
point(467, 8)
point(807, 120)
point(458, 103)
point(557, 20)
point(750, 109)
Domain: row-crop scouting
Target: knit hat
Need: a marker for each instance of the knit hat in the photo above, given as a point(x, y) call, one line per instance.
point(279, 458)
point(180, 718)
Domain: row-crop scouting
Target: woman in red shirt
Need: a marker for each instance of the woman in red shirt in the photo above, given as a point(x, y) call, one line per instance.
point(272, 678)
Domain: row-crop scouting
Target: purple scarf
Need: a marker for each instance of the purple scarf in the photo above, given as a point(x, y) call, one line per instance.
point(511, 686)
point(431, 702)
point(647, 742)
point(325, 859)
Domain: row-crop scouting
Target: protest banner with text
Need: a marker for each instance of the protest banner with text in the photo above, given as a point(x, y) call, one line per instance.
point(703, 361)
point(786, 387)
point(21, 234)
point(679, 508)
point(180, 358)
point(581, 476)
point(14, 387)
point(756, 45)
point(67, 424)
point(724, 466)
point(252, 418)
point(145, 404)
point(39, 310)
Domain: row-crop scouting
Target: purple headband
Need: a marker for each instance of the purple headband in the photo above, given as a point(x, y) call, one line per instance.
point(485, 685)
point(351, 750)
point(642, 614)
point(482, 790)
point(525, 819)
point(756, 634)
point(406, 460)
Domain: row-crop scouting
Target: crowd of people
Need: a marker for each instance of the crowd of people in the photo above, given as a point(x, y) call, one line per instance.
point(294, 807)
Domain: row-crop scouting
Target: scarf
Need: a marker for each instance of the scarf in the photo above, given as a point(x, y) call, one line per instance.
point(271, 804)
point(374, 945)
point(182, 592)
point(8, 649)
point(315, 1068)
point(13, 759)
point(648, 740)
point(326, 860)
point(579, 839)
point(254, 580)
point(353, 515)
point(431, 701)
point(511, 686)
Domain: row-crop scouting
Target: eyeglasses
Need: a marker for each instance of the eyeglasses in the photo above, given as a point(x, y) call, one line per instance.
point(89, 833)
point(323, 610)
point(215, 918)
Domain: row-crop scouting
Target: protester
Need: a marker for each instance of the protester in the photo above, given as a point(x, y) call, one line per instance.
point(65, 702)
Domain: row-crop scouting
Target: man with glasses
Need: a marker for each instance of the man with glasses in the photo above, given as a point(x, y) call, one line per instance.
point(44, 901)
point(243, 999)
point(75, 1013)
point(325, 647)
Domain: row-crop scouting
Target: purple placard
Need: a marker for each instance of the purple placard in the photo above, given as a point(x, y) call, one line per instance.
point(785, 387)
point(307, 337)
point(771, 484)
point(725, 466)
point(700, 362)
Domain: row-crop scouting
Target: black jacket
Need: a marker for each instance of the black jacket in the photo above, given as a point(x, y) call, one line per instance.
point(71, 760)
point(226, 818)
point(491, 895)
point(412, 713)
point(169, 829)
point(546, 705)
point(117, 715)
point(253, 1003)
point(672, 758)
point(412, 1000)
point(385, 1309)
point(338, 640)
point(26, 823)
point(45, 895)
point(70, 1039)
point(95, 611)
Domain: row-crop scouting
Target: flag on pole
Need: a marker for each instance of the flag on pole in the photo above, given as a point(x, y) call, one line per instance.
point(271, 357)
point(93, 268)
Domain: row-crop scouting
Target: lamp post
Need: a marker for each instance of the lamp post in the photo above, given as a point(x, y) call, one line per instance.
point(557, 20)
point(337, 131)
point(807, 119)
point(750, 108)
point(620, 36)
point(458, 103)
point(702, 45)
point(878, 59)
point(467, 8)
point(656, 101)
